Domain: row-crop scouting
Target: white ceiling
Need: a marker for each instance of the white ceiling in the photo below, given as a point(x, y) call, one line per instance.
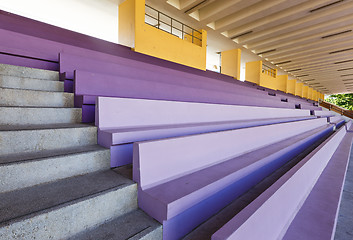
point(310, 39)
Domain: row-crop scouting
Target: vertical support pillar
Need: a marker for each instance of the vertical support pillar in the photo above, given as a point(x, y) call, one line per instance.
point(230, 63)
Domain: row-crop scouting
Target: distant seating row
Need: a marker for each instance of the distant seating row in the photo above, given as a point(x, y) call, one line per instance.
point(128, 78)
point(303, 203)
point(122, 121)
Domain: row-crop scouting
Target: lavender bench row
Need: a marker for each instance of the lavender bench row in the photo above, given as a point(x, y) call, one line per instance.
point(183, 181)
point(122, 121)
point(298, 205)
point(287, 96)
point(130, 69)
point(90, 85)
point(324, 114)
point(337, 120)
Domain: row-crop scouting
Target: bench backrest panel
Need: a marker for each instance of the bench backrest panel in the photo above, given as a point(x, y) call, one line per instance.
point(128, 112)
point(155, 162)
point(323, 113)
point(113, 86)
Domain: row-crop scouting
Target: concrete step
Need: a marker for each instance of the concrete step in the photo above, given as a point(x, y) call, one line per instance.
point(66, 207)
point(24, 170)
point(31, 98)
point(18, 71)
point(39, 116)
point(132, 226)
point(30, 83)
point(27, 139)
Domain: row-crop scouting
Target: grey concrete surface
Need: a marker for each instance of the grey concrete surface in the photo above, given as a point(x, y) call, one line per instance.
point(64, 208)
point(30, 84)
point(55, 181)
point(43, 138)
point(344, 227)
point(19, 174)
point(38, 116)
point(133, 226)
point(31, 98)
point(28, 72)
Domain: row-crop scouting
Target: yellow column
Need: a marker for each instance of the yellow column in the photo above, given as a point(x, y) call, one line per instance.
point(299, 89)
point(282, 81)
point(291, 86)
point(252, 71)
point(310, 93)
point(314, 95)
point(305, 91)
point(230, 63)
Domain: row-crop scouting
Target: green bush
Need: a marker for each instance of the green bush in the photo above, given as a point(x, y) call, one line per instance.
point(341, 100)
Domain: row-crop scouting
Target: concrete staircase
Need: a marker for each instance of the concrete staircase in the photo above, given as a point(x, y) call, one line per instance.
point(55, 181)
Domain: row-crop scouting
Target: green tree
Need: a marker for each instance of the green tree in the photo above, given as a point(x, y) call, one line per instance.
point(341, 100)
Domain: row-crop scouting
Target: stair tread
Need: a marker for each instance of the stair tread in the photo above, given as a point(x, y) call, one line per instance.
point(134, 224)
point(27, 78)
point(41, 198)
point(13, 70)
point(44, 126)
point(21, 157)
point(35, 91)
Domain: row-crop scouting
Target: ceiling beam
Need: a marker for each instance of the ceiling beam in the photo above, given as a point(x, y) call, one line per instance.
point(224, 23)
point(274, 17)
point(296, 23)
point(302, 48)
point(333, 24)
point(306, 55)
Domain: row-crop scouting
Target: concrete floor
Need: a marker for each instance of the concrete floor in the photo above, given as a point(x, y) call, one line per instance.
point(344, 228)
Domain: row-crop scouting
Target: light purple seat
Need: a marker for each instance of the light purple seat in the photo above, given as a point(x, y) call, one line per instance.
point(93, 84)
point(317, 218)
point(122, 121)
point(274, 210)
point(324, 114)
point(337, 120)
point(185, 180)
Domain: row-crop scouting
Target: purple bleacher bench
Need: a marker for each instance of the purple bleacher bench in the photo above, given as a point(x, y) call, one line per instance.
point(183, 181)
point(88, 85)
point(337, 120)
point(317, 218)
point(122, 121)
point(323, 113)
point(274, 210)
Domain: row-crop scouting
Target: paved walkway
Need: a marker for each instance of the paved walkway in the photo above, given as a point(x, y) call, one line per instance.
point(344, 228)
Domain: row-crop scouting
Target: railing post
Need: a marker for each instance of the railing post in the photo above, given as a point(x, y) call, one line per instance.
point(192, 31)
point(158, 20)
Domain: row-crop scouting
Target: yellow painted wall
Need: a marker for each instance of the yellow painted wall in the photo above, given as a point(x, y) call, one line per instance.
point(268, 81)
point(230, 63)
point(127, 23)
point(282, 81)
point(146, 39)
point(305, 91)
point(252, 71)
point(291, 86)
point(314, 95)
point(310, 93)
point(152, 41)
point(298, 89)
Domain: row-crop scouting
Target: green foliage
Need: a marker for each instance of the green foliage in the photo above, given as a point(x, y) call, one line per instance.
point(341, 100)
